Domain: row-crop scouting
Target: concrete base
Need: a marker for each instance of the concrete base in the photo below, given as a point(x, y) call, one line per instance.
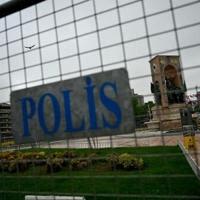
point(166, 118)
point(153, 125)
point(168, 125)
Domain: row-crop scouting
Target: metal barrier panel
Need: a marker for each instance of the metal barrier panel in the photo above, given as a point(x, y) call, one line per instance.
point(55, 41)
point(54, 111)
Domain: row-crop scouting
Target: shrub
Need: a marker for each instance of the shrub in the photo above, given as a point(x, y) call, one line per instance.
point(113, 160)
point(19, 162)
point(140, 163)
point(17, 166)
point(22, 163)
point(129, 162)
point(54, 165)
point(7, 144)
point(4, 165)
point(40, 155)
point(12, 166)
point(92, 159)
point(8, 155)
point(13, 162)
point(69, 154)
point(78, 164)
point(57, 155)
point(38, 158)
point(4, 159)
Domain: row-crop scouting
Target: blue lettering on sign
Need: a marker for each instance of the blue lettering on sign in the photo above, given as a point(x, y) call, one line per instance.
point(68, 115)
point(56, 111)
point(91, 103)
point(27, 115)
point(30, 107)
point(111, 105)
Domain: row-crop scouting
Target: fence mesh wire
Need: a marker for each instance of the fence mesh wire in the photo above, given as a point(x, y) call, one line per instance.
point(58, 40)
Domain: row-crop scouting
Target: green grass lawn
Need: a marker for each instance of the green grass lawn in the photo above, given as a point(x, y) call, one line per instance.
point(166, 175)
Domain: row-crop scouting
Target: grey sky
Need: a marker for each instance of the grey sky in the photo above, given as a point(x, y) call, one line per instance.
point(134, 35)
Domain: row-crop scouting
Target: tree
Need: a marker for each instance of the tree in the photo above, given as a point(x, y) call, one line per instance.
point(137, 108)
point(141, 112)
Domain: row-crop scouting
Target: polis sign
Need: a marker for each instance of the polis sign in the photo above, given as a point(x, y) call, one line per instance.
point(93, 105)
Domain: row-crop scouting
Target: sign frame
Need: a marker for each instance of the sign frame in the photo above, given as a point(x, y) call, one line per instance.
point(88, 106)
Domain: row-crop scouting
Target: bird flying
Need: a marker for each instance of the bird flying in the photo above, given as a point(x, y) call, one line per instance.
point(29, 47)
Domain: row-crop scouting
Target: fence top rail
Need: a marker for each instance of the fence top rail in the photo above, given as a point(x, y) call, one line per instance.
point(15, 5)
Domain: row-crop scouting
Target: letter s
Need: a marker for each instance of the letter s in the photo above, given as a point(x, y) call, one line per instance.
point(111, 105)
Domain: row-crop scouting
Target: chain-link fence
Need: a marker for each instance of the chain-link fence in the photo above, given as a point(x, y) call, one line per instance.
point(58, 40)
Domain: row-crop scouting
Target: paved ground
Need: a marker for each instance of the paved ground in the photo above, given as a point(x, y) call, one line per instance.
point(144, 138)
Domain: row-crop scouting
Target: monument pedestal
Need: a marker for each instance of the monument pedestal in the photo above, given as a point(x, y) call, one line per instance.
point(168, 87)
point(166, 118)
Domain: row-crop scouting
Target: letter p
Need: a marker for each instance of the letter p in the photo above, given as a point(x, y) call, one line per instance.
point(28, 110)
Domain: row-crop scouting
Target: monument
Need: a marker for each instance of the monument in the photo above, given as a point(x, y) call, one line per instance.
point(168, 87)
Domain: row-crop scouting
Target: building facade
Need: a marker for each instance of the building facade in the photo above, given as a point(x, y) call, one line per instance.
point(5, 122)
point(140, 98)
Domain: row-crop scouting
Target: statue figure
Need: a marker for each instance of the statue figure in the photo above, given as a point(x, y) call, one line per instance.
point(170, 89)
point(155, 89)
point(175, 94)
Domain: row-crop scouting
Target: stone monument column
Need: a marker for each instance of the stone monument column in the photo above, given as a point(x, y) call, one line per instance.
point(158, 82)
point(168, 88)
